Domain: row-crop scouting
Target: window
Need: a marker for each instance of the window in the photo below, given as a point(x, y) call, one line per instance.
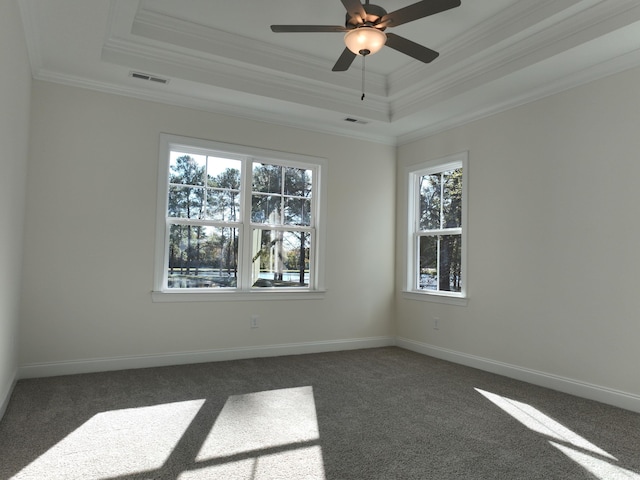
point(436, 266)
point(234, 219)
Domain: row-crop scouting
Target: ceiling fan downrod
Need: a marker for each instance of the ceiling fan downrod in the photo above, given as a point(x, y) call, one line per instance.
point(363, 59)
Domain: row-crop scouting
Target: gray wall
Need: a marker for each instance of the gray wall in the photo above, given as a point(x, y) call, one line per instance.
point(15, 90)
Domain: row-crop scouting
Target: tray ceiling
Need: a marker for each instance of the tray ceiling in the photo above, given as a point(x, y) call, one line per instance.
point(223, 57)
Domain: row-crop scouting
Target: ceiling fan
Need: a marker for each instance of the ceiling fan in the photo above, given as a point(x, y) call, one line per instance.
point(365, 26)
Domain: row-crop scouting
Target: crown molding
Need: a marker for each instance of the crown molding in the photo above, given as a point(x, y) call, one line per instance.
point(562, 35)
point(252, 81)
point(596, 72)
point(221, 108)
point(511, 23)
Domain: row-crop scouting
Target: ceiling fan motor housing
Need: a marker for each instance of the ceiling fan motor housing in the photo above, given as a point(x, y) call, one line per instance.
point(374, 14)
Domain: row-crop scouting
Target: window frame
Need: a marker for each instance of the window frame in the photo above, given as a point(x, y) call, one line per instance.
point(248, 155)
point(413, 231)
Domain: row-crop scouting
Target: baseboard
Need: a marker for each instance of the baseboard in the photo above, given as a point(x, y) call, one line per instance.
point(91, 365)
point(606, 395)
point(5, 394)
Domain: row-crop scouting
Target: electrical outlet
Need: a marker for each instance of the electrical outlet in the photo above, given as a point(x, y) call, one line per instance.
point(253, 321)
point(436, 323)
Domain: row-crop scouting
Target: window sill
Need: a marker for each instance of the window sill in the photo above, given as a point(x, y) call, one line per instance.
point(228, 296)
point(435, 298)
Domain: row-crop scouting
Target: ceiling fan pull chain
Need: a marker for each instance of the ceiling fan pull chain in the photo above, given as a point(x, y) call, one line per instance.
point(363, 59)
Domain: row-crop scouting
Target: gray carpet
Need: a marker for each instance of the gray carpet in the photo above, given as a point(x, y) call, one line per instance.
point(383, 413)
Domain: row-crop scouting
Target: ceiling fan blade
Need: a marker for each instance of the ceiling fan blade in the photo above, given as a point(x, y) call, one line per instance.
point(307, 28)
point(345, 61)
point(410, 48)
point(355, 9)
point(416, 11)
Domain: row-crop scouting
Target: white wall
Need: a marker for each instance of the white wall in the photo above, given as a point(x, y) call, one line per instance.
point(90, 237)
point(15, 88)
point(553, 273)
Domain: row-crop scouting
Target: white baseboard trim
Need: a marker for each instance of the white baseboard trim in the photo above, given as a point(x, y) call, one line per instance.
point(617, 398)
point(92, 365)
point(5, 394)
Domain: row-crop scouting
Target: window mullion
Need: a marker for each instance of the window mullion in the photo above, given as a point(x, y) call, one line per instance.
point(442, 200)
point(246, 232)
point(282, 181)
point(416, 207)
point(205, 182)
point(443, 231)
point(439, 239)
point(416, 262)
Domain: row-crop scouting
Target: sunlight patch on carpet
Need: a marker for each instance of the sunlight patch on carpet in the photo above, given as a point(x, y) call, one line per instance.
point(116, 443)
point(589, 456)
point(277, 430)
point(598, 467)
point(300, 463)
point(537, 421)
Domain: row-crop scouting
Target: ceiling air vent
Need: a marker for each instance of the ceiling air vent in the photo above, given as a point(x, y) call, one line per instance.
point(355, 120)
point(150, 78)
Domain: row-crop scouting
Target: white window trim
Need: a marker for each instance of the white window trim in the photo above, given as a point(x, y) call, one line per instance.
point(411, 173)
point(195, 146)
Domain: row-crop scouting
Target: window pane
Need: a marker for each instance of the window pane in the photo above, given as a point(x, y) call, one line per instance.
point(186, 202)
point(297, 182)
point(297, 211)
point(267, 178)
point(280, 258)
point(202, 257)
point(187, 169)
point(266, 209)
point(223, 205)
point(445, 274)
point(450, 263)
point(223, 173)
point(428, 274)
point(430, 193)
point(452, 198)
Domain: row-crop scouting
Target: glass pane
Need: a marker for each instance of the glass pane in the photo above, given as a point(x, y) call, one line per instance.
point(187, 169)
point(297, 211)
point(266, 209)
point(445, 274)
point(428, 263)
point(429, 188)
point(297, 182)
point(186, 202)
point(450, 263)
point(267, 178)
point(223, 205)
point(223, 173)
point(280, 259)
point(202, 257)
point(452, 198)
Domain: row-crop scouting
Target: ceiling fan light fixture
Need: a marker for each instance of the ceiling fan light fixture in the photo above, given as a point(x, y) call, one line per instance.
point(365, 40)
